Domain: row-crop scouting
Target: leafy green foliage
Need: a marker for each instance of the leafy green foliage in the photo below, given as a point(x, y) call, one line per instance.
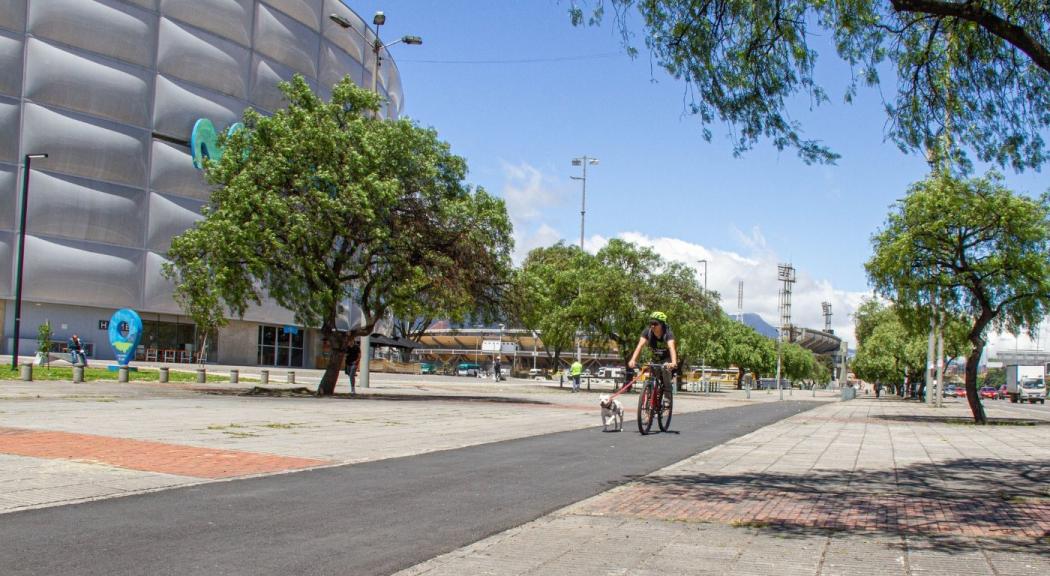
point(43, 342)
point(983, 66)
point(324, 203)
point(978, 250)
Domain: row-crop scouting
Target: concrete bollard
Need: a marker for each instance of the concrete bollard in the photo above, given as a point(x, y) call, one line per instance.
point(27, 372)
point(164, 375)
point(291, 377)
point(122, 374)
point(78, 374)
point(202, 375)
point(235, 376)
point(264, 377)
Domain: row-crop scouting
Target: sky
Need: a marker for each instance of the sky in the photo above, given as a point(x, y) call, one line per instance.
point(519, 92)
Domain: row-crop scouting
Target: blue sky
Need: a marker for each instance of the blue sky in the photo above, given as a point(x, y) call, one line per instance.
point(659, 183)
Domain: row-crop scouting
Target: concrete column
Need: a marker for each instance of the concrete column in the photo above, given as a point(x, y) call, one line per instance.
point(122, 374)
point(27, 372)
point(164, 375)
point(264, 377)
point(235, 376)
point(202, 375)
point(78, 374)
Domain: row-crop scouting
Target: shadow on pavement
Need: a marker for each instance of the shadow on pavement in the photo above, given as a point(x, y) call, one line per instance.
point(303, 392)
point(1003, 504)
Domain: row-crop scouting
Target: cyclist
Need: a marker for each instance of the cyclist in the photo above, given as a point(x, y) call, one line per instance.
point(660, 338)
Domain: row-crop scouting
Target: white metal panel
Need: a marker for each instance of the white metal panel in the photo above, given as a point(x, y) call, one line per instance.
point(307, 12)
point(172, 172)
point(203, 59)
point(107, 27)
point(169, 217)
point(87, 83)
point(85, 147)
point(79, 209)
point(231, 19)
point(11, 65)
point(8, 244)
point(8, 198)
point(280, 38)
point(9, 117)
point(82, 273)
point(13, 15)
point(177, 106)
point(157, 291)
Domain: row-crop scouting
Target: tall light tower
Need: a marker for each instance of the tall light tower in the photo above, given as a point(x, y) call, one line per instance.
point(703, 357)
point(786, 275)
point(826, 310)
point(583, 161)
point(740, 302)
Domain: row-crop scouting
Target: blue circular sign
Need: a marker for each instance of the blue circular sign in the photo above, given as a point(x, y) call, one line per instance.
point(125, 331)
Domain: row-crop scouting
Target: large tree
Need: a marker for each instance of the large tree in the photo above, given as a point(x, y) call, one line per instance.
point(983, 63)
point(324, 203)
point(543, 295)
point(978, 250)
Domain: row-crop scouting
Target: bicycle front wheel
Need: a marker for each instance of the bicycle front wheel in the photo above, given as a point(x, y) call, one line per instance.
point(666, 407)
point(645, 408)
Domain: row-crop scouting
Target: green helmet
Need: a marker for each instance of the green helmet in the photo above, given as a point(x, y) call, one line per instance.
point(660, 316)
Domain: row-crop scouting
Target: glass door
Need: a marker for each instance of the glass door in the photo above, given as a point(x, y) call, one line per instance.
point(280, 346)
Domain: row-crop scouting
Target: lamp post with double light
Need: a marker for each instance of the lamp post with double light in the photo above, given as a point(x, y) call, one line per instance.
point(377, 55)
point(583, 161)
point(21, 254)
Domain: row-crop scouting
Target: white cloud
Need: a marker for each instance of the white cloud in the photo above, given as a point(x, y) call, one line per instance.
point(761, 290)
point(528, 194)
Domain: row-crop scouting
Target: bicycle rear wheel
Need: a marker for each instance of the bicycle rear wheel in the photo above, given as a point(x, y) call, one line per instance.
point(666, 407)
point(645, 408)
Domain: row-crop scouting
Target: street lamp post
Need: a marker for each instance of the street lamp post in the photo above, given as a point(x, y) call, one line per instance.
point(499, 351)
point(21, 255)
point(583, 161)
point(377, 49)
point(703, 356)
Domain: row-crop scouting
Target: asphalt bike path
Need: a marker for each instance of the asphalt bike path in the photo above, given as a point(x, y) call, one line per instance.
point(371, 518)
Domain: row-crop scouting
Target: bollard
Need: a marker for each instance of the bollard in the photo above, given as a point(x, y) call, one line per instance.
point(235, 376)
point(264, 377)
point(747, 387)
point(291, 377)
point(78, 374)
point(27, 372)
point(164, 375)
point(202, 375)
point(122, 374)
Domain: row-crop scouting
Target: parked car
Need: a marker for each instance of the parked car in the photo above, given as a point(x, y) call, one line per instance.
point(989, 392)
point(536, 374)
point(468, 369)
point(1002, 392)
point(960, 391)
point(427, 368)
point(949, 391)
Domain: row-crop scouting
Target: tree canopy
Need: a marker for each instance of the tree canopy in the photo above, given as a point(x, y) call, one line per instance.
point(977, 250)
point(983, 64)
point(324, 203)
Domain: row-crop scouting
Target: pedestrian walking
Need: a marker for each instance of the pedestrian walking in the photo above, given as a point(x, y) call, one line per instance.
point(353, 359)
point(77, 357)
point(574, 372)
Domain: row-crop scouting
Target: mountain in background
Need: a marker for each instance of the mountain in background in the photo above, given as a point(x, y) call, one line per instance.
point(759, 325)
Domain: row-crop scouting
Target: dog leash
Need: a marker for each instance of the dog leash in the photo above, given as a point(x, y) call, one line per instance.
point(627, 385)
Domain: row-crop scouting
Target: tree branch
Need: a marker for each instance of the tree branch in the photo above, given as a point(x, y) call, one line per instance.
point(1017, 36)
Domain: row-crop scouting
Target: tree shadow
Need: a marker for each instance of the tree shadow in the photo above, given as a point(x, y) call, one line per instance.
point(1003, 505)
point(303, 392)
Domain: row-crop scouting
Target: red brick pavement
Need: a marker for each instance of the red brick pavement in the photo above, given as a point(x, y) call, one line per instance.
point(896, 513)
point(145, 455)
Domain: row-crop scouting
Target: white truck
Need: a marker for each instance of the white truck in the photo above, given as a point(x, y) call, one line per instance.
point(1026, 384)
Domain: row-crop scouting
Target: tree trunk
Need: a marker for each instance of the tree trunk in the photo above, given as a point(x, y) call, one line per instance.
point(336, 352)
point(739, 379)
point(971, 384)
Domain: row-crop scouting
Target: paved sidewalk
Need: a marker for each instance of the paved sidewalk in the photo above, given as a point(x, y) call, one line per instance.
point(861, 487)
point(62, 443)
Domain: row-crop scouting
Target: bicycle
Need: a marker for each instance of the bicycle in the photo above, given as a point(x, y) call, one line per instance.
point(654, 401)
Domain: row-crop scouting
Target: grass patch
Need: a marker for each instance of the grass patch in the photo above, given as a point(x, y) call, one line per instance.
point(749, 524)
point(143, 374)
point(285, 426)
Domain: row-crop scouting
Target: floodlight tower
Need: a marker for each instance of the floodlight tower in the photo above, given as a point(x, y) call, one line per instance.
point(826, 308)
point(740, 301)
point(786, 275)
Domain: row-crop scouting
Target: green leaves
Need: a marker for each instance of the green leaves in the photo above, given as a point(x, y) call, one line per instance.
point(323, 203)
point(975, 73)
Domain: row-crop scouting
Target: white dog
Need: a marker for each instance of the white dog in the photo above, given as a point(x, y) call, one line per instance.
point(612, 413)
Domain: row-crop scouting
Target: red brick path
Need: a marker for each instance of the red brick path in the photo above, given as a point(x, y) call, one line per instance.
point(895, 513)
point(145, 455)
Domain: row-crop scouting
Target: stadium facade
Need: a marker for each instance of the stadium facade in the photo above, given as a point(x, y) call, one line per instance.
point(111, 90)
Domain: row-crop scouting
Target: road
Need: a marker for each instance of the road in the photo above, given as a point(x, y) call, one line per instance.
point(372, 518)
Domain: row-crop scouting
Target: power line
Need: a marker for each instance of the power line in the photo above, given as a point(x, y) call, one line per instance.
point(517, 61)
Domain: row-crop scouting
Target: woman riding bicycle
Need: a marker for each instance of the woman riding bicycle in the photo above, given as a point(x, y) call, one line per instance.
point(660, 338)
